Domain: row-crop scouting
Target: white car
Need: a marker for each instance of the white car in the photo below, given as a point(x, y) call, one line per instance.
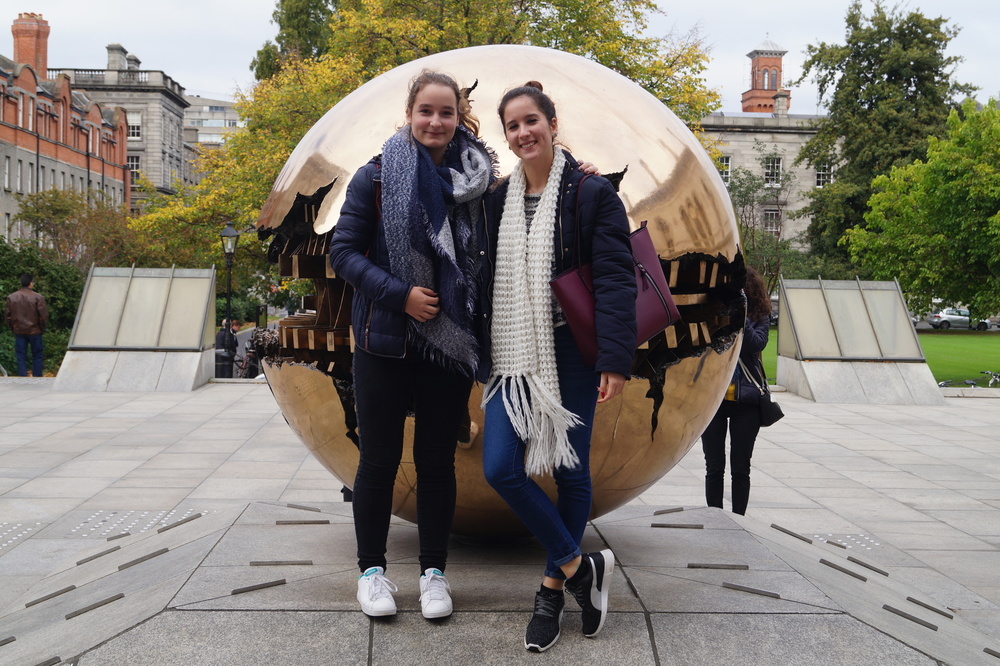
point(954, 317)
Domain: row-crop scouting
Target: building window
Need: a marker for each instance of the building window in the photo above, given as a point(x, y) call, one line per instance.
point(772, 172)
point(62, 177)
point(232, 123)
point(772, 221)
point(725, 162)
point(6, 226)
point(6, 168)
point(767, 80)
point(134, 125)
point(824, 175)
point(132, 161)
point(20, 174)
point(774, 80)
point(31, 177)
point(217, 109)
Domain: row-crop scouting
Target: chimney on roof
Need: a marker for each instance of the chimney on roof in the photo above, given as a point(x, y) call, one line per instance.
point(781, 99)
point(116, 57)
point(133, 61)
point(31, 42)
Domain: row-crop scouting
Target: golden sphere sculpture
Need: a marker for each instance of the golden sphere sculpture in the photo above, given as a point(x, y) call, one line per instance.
point(679, 377)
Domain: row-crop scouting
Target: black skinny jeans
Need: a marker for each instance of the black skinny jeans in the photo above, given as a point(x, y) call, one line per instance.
point(743, 422)
point(385, 389)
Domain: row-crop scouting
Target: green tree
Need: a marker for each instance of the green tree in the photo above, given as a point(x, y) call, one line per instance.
point(76, 231)
point(383, 34)
point(303, 30)
point(365, 39)
point(62, 286)
point(935, 224)
point(759, 199)
point(889, 88)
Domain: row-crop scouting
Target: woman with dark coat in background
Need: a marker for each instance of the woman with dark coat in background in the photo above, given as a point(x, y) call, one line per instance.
point(739, 411)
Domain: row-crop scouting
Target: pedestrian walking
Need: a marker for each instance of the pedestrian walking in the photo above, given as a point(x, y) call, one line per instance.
point(739, 412)
point(27, 315)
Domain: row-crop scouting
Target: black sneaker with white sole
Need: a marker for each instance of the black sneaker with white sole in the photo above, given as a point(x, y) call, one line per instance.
point(543, 629)
point(589, 586)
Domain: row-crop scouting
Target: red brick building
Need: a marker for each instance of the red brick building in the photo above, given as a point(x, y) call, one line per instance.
point(52, 135)
point(765, 79)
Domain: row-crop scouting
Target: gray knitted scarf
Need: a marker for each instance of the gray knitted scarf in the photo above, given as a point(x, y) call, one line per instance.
point(523, 352)
point(429, 214)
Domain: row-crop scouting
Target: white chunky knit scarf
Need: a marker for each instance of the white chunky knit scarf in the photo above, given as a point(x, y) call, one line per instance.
point(524, 360)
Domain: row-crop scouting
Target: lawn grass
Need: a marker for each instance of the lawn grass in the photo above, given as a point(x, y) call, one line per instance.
point(954, 355)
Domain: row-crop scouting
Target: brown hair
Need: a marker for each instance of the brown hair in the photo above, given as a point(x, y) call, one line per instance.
point(758, 300)
point(429, 77)
point(532, 89)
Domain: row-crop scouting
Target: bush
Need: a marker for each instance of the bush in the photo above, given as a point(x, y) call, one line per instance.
point(244, 308)
point(60, 284)
point(54, 343)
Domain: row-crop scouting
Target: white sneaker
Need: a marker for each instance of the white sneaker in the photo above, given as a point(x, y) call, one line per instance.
point(375, 593)
point(435, 595)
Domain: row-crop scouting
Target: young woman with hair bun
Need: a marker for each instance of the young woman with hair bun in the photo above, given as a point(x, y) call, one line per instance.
point(539, 396)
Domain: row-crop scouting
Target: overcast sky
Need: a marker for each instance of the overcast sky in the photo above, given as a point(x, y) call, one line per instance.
point(206, 45)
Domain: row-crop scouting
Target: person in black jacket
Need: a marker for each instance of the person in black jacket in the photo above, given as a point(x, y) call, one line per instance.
point(539, 398)
point(406, 241)
point(739, 411)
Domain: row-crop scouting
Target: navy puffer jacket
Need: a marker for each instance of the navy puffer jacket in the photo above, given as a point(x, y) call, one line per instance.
point(755, 335)
point(604, 242)
point(359, 255)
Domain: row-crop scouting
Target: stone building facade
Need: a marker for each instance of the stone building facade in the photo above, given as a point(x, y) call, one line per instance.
point(51, 133)
point(211, 119)
point(766, 122)
point(154, 105)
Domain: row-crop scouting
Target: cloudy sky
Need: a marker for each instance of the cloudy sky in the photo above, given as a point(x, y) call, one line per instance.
point(207, 45)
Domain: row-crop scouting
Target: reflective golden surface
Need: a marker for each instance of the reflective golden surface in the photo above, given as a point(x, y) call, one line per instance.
point(603, 118)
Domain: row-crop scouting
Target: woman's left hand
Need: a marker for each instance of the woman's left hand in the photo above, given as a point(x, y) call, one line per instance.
point(589, 168)
point(611, 385)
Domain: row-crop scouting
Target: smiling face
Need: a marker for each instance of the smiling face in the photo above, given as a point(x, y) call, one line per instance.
point(529, 133)
point(433, 118)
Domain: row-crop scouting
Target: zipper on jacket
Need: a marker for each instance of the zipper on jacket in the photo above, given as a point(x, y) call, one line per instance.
point(368, 325)
point(486, 252)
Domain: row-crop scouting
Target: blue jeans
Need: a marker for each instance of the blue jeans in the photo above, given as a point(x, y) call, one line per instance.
point(21, 344)
point(559, 527)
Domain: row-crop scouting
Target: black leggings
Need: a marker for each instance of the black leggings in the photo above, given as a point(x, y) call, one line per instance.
point(385, 389)
point(743, 422)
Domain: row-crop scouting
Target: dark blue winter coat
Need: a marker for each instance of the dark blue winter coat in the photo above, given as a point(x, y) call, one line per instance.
point(359, 255)
point(754, 340)
point(604, 232)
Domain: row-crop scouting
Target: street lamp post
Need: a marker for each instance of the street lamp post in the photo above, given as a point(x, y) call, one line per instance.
point(229, 237)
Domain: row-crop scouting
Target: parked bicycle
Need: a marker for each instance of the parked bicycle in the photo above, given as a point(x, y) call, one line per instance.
point(246, 366)
point(974, 383)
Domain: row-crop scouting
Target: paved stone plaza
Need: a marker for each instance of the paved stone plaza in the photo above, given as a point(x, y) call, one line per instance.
point(873, 537)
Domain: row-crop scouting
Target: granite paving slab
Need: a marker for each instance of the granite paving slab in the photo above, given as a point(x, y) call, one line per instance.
point(239, 638)
point(666, 590)
point(498, 638)
point(765, 640)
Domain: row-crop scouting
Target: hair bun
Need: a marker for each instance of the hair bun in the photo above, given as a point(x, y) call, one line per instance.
point(534, 84)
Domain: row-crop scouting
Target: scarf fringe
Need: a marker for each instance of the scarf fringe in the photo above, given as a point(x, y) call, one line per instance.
point(538, 417)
